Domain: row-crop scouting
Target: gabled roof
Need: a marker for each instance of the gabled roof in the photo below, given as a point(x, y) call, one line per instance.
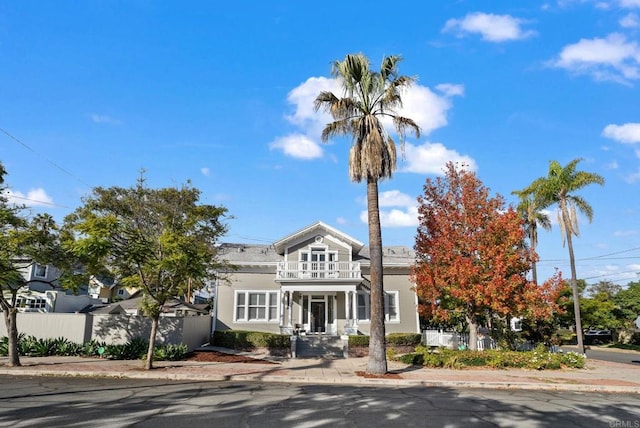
point(282, 244)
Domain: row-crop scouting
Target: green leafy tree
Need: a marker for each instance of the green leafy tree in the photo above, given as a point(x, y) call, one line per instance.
point(368, 98)
point(533, 216)
point(560, 187)
point(628, 302)
point(599, 311)
point(24, 241)
point(471, 255)
point(157, 240)
point(610, 289)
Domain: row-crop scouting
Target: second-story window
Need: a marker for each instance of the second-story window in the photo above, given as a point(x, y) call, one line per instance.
point(40, 271)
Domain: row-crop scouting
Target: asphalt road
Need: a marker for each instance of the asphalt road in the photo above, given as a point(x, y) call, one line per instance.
point(106, 402)
point(610, 354)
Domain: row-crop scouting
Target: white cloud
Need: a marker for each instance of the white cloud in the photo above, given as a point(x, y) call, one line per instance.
point(103, 118)
point(33, 198)
point(395, 217)
point(630, 4)
point(297, 146)
point(205, 171)
point(431, 158)
point(395, 198)
point(303, 97)
point(625, 233)
point(450, 89)
point(341, 221)
point(612, 58)
point(427, 108)
point(628, 133)
point(629, 21)
point(612, 165)
point(492, 28)
point(404, 214)
point(633, 177)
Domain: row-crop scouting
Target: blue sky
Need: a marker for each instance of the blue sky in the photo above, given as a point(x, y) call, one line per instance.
point(221, 94)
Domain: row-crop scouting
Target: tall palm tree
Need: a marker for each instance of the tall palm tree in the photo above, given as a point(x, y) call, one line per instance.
point(559, 187)
point(531, 213)
point(368, 98)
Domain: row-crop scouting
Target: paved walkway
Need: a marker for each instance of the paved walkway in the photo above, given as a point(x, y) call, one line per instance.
point(597, 376)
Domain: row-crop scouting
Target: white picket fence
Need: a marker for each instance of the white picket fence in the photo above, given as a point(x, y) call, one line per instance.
point(453, 340)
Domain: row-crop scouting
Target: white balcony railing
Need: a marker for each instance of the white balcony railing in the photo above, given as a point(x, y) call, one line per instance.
point(318, 270)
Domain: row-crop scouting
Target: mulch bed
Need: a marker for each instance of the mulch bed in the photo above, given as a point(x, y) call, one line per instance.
point(221, 357)
point(387, 375)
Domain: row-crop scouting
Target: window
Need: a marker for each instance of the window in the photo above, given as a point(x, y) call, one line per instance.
point(391, 312)
point(120, 291)
point(40, 271)
point(32, 303)
point(256, 306)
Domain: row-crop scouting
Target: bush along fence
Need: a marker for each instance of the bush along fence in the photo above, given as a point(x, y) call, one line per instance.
point(135, 349)
point(537, 359)
point(274, 344)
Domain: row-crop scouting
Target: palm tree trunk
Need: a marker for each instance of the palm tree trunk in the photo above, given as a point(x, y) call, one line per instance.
point(576, 294)
point(152, 342)
point(377, 363)
point(534, 269)
point(10, 318)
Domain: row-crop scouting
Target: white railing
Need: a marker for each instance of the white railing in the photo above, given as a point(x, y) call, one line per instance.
point(453, 340)
point(318, 270)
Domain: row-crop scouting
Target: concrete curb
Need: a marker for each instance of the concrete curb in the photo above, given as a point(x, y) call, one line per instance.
point(366, 382)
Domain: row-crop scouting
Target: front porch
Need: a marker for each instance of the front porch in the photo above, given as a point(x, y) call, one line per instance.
point(314, 310)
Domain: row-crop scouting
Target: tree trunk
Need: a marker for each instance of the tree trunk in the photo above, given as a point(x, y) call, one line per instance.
point(377, 347)
point(152, 342)
point(576, 294)
point(473, 332)
point(534, 243)
point(10, 318)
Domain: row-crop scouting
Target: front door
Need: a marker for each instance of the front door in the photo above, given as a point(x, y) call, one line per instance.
point(318, 320)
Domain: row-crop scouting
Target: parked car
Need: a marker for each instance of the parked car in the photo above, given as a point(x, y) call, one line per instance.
point(597, 336)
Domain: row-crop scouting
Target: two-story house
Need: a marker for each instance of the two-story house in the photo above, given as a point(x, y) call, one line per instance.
point(313, 281)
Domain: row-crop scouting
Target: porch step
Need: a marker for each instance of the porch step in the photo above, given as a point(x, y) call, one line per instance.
point(327, 347)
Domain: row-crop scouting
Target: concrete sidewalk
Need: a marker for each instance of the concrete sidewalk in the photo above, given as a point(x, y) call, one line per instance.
point(598, 376)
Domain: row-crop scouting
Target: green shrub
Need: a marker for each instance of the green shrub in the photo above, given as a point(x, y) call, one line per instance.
point(170, 352)
point(135, 349)
point(538, 359)
point(250, 340)
point(4, 346)
point(65, 347)
point(358, 340)
point(92, 348)
point(403, 339)
point(413, 358)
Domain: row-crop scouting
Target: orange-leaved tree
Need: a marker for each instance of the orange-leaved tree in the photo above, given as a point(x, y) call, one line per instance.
point(471, 257)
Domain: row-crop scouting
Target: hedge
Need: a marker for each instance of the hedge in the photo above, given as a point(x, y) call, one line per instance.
point(250, 340)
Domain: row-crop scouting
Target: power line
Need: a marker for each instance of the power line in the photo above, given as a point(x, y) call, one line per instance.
point(4, 131)
point(12, 196)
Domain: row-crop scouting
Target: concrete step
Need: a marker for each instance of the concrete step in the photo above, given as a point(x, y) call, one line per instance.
point(320, 346)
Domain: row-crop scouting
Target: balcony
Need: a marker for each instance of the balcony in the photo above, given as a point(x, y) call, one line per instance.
point(317, 271)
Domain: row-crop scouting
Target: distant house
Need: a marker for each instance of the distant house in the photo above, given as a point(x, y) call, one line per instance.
point(52, 301)
point(173, 308)
point(109, 290)
point(313, 281)
point(39, 277)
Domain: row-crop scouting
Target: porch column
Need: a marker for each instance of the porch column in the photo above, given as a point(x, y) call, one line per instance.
point(347, 312)
point(290, 308)
point(354, 303)
point(283, 297)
